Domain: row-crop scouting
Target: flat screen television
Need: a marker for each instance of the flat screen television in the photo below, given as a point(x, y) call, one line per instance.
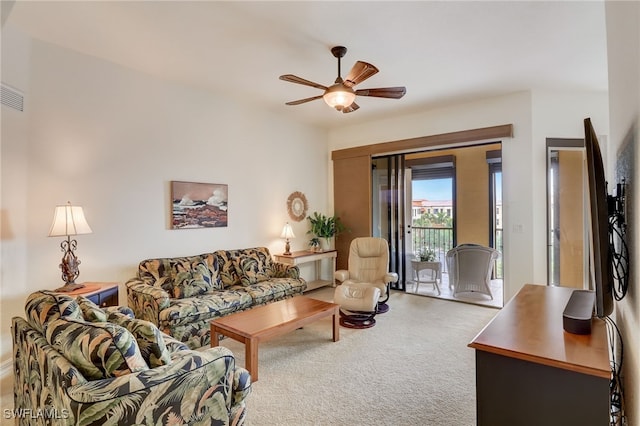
point(600, 255)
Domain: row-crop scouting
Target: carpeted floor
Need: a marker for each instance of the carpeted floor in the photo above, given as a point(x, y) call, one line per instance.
point(412, 368)
point(427, 289)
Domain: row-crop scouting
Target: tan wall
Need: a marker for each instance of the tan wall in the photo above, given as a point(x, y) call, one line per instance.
point(472, 191)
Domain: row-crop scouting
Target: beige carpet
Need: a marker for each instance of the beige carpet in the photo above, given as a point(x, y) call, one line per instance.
point(412, 368)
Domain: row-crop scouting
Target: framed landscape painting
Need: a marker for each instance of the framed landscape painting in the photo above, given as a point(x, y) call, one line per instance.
point(198, 205)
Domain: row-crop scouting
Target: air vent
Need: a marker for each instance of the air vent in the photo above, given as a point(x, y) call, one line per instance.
point(12, 98)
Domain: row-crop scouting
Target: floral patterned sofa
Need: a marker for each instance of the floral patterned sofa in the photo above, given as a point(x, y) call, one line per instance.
point(77, 364)
point(181, 295)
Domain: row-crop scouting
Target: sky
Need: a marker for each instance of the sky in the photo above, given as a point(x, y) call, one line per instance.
point(440, 189)
point(432, 189)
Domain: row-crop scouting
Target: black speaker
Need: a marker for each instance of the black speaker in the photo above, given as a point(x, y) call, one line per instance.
point(578, 311)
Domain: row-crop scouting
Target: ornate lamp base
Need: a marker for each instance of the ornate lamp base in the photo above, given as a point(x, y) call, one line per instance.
point(69, 267)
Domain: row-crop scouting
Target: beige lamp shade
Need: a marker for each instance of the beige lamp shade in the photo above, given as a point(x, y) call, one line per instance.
point(287, 231)
point(69, 220)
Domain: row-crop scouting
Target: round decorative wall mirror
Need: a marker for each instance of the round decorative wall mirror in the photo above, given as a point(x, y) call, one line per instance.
point(297, 206)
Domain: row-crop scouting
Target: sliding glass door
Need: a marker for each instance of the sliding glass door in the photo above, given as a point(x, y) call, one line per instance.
point(433, 206)
point(427, 202)
point(389, 193)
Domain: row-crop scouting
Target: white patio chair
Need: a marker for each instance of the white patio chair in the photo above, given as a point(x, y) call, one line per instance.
point(470, 268)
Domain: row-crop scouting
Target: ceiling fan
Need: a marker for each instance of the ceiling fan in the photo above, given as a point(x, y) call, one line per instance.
point(341, 94)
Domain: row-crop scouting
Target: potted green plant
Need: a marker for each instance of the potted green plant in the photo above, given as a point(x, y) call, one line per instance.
point(425, 254)
point(325, 227)
point(314, 244)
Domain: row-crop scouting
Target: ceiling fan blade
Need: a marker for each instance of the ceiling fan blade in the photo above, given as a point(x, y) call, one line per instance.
point(383, 92)
point(302, 101)
point(354, 106)
point(359, 73)
point(295, 79)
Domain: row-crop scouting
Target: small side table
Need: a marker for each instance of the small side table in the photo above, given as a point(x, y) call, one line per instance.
point(436, 273)
point(101, 293)
point(305, 256)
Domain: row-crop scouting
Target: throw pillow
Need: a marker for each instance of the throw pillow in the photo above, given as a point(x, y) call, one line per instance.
point(214, 269)
point(149, 338)
point(44, 306)
point(251, 270)
point(192, 279)
point(91, 311)
point(226, 260)
point(157, 272)
point(98, 350)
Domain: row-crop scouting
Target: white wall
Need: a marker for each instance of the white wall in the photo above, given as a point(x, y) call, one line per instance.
point(535, 117)
point(111, 139)
point(623, 50)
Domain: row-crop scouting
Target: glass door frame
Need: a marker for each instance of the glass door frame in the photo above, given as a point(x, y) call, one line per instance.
point(386, 205)
point(553, 145)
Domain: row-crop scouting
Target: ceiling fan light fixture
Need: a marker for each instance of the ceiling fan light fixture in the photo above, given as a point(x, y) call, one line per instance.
point(339, 96)
point(342, 95)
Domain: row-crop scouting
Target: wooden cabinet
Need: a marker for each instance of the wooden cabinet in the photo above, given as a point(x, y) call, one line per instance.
point(529, 371)
point(101, 293)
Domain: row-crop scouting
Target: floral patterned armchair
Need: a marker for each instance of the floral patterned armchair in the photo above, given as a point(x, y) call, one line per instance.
point(77, 364)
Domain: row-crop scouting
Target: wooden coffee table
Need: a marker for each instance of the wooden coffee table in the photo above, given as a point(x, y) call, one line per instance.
point(264, 322)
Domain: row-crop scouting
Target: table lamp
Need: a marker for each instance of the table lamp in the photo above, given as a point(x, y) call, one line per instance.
point(69, 220)
point(287, 233)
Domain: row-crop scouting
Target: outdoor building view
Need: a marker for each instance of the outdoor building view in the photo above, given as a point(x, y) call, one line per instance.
point(432, 215)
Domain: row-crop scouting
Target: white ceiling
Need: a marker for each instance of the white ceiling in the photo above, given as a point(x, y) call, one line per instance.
point(443, 52)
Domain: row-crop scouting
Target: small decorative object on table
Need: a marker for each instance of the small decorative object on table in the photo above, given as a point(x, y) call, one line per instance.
point(314, 244)
point(425, 254)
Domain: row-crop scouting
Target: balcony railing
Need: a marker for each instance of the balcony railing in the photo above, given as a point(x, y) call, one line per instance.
point(498, 270)
point(441, 241)
point(438, 239)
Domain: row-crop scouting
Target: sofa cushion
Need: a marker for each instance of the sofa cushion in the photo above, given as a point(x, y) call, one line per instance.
point(90, 311)
point(227, 267)
point(291, 285)
point(98, 350)
point(264, 292)
point(211, 305)
point(148, 337)
point(173, 345)
point(44, 306)
point(157, 272)
point(192, 278)
point(251, 270)
point(181, 276)
point(228, 263)
point(214, 268)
